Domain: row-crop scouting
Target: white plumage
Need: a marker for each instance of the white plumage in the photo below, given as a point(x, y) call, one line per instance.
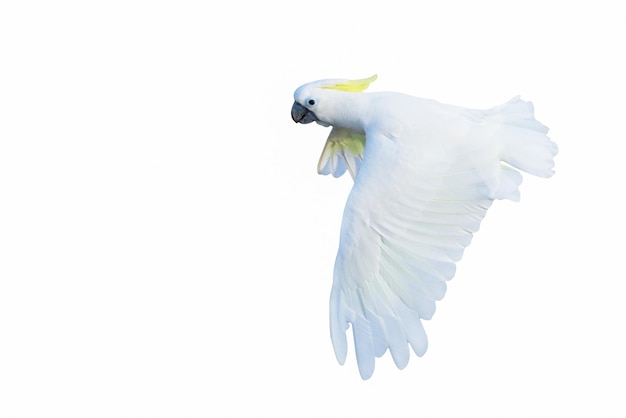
point(425, 174)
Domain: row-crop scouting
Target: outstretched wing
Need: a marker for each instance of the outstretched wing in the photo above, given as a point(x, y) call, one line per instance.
point(408, 219)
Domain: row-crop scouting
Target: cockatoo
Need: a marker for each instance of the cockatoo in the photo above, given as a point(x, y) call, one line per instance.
point(425, 174)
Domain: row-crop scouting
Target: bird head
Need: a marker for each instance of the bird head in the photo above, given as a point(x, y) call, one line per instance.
point(313, 102)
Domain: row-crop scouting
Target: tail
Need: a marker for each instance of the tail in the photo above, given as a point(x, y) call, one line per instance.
point(525, 144)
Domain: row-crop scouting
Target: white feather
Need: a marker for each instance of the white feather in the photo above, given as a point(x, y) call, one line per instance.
point(429, 174)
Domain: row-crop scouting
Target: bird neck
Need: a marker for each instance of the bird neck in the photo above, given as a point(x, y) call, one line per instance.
point(350, 111)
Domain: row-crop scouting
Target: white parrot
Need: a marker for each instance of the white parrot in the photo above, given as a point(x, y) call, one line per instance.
point(425, 174)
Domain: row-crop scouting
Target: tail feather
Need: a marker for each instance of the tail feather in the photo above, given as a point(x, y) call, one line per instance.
point(509, 180)
point(520, 113)
point(525, 143)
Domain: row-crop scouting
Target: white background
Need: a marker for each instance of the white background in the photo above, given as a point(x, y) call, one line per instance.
point(166, 246)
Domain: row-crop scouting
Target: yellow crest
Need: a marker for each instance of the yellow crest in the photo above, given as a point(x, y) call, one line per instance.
point(354, 86)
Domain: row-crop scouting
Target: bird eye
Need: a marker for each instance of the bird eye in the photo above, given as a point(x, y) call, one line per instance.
point(311, 102)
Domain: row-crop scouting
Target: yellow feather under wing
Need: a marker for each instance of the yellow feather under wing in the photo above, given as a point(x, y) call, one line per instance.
point(343, 151)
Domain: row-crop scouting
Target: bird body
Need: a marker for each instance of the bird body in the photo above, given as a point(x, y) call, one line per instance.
point(425, 174)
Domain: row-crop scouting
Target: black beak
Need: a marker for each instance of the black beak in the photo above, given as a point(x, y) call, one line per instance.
point(301, 114)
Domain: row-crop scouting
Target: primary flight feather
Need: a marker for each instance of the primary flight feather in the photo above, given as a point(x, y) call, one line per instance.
point(425, 174)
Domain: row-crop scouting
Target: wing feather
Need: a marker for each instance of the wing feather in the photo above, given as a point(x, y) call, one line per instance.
point(343, 151)
point(421, 191)
point(400, 240)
